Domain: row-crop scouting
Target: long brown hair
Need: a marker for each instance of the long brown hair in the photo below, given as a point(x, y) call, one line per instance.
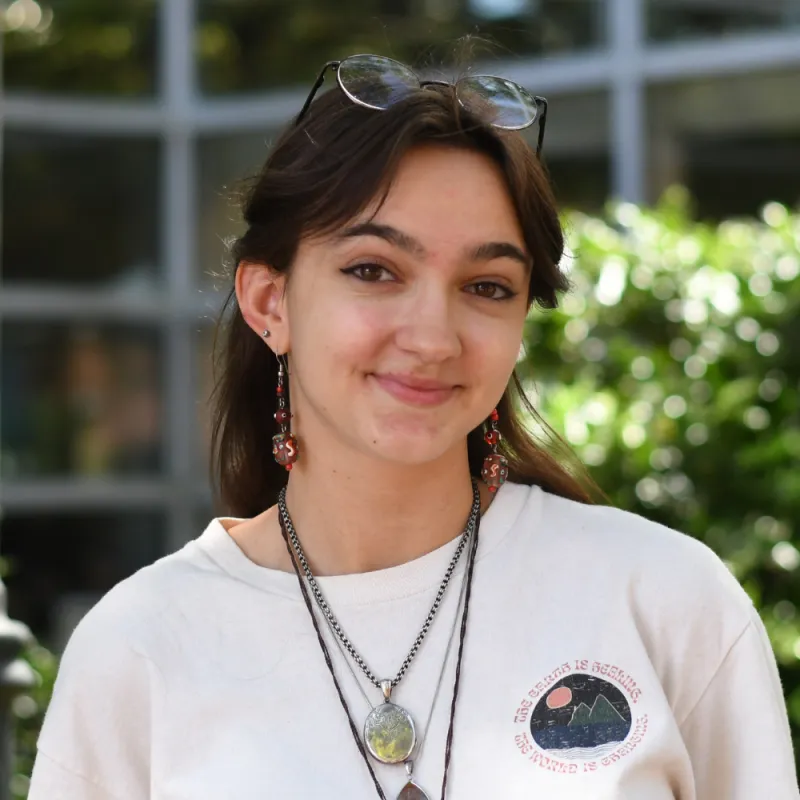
point(319, 175)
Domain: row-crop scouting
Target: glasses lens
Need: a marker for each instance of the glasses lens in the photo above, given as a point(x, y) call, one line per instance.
point(375, 81)
point(506, 104)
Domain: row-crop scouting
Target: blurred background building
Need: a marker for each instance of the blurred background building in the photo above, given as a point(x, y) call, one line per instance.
point(125, 123)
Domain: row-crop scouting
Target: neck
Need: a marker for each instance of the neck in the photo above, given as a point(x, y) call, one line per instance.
point(362, 517)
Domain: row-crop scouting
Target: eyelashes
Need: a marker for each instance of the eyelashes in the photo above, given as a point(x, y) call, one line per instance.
point(371, 272)
point(491, 290)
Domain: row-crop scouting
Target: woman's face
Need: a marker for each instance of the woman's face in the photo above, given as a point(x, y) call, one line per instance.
point(403, 328)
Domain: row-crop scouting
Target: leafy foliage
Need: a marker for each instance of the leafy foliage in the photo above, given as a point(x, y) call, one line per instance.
point(28, 711)
point(673, 368)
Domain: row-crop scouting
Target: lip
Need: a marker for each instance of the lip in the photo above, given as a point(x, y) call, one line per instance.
point(415, 391)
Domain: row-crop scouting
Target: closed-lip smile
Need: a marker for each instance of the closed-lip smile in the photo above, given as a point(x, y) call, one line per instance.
point(415, 390)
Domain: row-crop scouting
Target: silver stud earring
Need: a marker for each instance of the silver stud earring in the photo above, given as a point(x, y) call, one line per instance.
point(266, 334)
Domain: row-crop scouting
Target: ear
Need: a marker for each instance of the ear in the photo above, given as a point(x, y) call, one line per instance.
point(260, 292)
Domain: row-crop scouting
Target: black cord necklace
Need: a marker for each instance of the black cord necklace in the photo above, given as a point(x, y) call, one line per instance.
point(329, 662)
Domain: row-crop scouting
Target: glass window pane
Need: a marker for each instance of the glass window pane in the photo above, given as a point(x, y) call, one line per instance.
point(80, 400)
point(732, 162)
point(685, 19)
point(736, 175)
point(581, 182)
point(80, 209)
point(576, 149)
point(62, 563)
point(246, 45)
point(222, 163)
point(85, 47)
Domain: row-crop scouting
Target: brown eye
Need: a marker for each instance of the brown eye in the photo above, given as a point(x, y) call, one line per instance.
point(369, 273)
point(490, 291)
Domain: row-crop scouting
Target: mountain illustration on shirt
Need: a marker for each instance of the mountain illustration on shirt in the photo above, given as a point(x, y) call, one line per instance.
point(602, 712)
point(581, 717)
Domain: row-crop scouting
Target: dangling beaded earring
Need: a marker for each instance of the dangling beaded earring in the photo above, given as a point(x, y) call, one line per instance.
point(284, 443)
point(495, 466)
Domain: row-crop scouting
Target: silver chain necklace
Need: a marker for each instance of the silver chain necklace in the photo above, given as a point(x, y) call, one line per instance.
point(412, 789)
point(389, 730)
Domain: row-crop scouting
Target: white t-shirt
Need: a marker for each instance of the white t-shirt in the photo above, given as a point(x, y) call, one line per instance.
point(607, 658)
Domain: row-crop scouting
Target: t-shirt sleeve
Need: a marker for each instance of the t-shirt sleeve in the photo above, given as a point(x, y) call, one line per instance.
point(59, 783)
point(95, 740)
point(738, 734)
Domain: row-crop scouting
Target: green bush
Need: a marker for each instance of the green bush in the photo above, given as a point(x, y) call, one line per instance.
point(673, 368)
point(28, 713)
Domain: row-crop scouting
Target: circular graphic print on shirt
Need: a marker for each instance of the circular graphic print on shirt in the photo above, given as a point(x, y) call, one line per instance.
point(581, 717)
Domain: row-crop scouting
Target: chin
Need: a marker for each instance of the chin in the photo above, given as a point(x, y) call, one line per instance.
point(410, 447)
point(407, 457)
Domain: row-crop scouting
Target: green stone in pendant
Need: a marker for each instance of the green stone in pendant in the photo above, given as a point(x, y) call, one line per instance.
point(412, 792)
point(389, 733)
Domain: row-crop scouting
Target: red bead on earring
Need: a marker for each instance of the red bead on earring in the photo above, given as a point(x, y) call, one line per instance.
point(495, 466)
point(284, 443)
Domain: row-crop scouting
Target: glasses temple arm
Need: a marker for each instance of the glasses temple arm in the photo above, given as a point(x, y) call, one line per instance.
point(314, 88)
point(542, 122)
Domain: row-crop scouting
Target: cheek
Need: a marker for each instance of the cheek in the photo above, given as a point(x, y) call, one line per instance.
point(495, 368)
point(495, 345)
point(341, 335)
point(359, 332)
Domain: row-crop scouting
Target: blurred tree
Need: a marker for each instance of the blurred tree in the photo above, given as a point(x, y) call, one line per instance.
point(80, 46)
point(673, 368)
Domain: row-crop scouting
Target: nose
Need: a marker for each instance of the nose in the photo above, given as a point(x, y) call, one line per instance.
point(429, 329)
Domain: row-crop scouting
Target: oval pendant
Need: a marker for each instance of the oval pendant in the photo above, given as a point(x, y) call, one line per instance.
point(412, 792)
point(389, 733)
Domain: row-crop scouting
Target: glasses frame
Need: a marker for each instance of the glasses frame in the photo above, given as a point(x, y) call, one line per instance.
point(541, 103)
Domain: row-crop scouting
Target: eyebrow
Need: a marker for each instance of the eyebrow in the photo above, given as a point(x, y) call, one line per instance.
point(482, 252)
point(492, 250)
point(388, 234)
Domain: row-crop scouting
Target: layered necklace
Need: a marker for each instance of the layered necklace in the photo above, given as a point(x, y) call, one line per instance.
point(389, 732)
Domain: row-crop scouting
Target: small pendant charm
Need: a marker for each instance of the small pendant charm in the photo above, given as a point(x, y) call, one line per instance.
point(389, 730)
point(412, 792)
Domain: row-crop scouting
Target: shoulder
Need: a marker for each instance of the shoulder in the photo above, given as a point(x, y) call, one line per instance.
point(648, 583)
point(641, 554)
point(645, 596)
point(134, 615)
point(111, 681)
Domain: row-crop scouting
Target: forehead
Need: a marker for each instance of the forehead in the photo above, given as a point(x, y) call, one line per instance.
point(449, 195)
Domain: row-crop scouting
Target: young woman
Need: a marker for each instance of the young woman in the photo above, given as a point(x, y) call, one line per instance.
point(432, 606)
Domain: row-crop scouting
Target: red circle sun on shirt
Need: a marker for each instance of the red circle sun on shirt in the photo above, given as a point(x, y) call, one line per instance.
point(560, 697)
